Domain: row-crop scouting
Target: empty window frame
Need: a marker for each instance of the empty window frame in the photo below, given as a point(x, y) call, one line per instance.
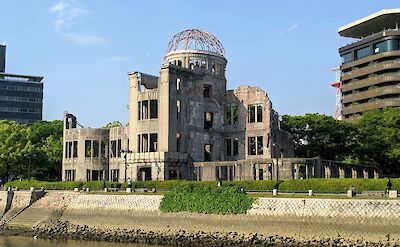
point(119, 147)
point(255, 145)
point(96, 148)
point(153, 109)
point(103, 148)
point(88, 148)
point(178, 142)
point(178, 84)
point(207, 152)
point(231, 147)
point(145, 109)
point(255, 113)
point(113, 148)
point(231, 115)
point(178, 109)
point(153, 142)
point(207, 91)
point(75, 149)
point(114, 175)
point(208, 120)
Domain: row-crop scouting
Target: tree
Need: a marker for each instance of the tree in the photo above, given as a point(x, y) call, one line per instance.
point(14, 143)
point(379, 139)
point(320, 135)
point(112, 125)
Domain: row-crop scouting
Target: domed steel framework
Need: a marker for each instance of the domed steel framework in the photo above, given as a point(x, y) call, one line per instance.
point(196, 39)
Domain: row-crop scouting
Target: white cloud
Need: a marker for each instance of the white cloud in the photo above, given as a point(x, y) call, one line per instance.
point(119, 59)
point(292, 28)
point(68, 14)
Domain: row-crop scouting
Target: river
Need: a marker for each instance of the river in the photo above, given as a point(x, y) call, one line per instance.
point(17, 241)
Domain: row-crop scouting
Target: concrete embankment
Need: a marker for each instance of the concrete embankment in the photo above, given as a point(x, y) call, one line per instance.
point(275, 221)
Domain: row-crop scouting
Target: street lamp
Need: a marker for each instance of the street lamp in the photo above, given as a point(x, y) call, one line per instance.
point(29, 156)
point(126, 152)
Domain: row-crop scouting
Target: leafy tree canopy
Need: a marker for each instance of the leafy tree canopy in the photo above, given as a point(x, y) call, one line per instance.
point(112, 124)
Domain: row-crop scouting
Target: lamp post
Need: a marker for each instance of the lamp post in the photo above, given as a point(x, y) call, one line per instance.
point(126, 152)
point(29, 156)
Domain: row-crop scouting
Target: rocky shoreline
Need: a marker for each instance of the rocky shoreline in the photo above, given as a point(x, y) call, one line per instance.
point(66, 230)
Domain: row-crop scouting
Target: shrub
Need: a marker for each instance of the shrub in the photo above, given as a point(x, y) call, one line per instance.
point(25, 184)
point(395, 184)
point(206, 199)
point(334, 185)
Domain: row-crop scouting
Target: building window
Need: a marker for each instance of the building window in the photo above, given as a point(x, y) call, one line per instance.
point(145, 109)
point(178, 142)
point(139, 110)
point(69, 149)
point(206, 91)
point(153, 142)
point(231, 115)
point(387, 45)
point(69, 175)
point(119, 147)
point(255, 113)
point(347, 58)
point(231, 147)
point(153, 109)
point(178, 109)
point(363, 52)
point(88, 148)
point(208, 120)
point(255, 145)
point(113, 148)
point(207, 152)
point(75, 149)
point(103, 148)
point(96, 148)
point(178, 84)
point(114, 175)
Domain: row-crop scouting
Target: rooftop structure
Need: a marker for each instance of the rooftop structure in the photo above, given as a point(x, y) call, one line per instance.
point(385, 19)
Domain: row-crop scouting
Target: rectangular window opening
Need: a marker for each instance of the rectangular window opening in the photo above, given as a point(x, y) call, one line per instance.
point(207, 91)
point(88, 148)
point(153, 142)
point(207, 152)
point(208, 120)
point(95, 148)
point(153, 109)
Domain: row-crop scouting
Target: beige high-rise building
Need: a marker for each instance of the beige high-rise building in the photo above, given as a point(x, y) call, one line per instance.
point(183, 116)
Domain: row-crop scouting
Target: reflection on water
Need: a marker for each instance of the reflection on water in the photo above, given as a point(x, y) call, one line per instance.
point(17, 241)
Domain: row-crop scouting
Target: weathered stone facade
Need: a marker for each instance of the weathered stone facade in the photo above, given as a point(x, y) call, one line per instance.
point(184, 115)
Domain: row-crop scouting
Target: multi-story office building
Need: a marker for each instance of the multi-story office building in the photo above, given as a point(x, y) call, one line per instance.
point(371, 65)
point(21, 96)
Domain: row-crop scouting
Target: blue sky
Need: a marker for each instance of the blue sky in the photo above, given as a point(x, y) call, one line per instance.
point(85, 49)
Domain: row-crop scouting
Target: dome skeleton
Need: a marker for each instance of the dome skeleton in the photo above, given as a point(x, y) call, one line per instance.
point(196, 39)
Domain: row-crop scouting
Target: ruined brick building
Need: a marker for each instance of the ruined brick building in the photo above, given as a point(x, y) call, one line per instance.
point(182, 124)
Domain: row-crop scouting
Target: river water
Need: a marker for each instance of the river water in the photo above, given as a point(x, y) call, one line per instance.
point(17, 241)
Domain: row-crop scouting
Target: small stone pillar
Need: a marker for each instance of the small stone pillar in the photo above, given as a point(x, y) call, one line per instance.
point(365, 172)
point(307, 172)
point(105, 189)
point(274, 192)
point(328, 172)
point(257, 166)
point(32, 189)
point(354, 172)
point(128, 190)
point(76, 189)
point(87, 189)
point(350, 193)
point(310, 193)
point(392, 193)
point(341, 172)
point(376, 174)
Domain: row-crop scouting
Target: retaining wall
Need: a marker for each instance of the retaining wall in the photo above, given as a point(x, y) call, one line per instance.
point(301, 207)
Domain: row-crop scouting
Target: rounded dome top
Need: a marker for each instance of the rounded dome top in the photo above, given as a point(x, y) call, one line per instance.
point(196, 39)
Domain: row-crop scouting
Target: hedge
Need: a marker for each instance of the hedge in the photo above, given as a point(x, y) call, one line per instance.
point(395, 183)
point(206, 199)
point(25, 184)
point(334, 185)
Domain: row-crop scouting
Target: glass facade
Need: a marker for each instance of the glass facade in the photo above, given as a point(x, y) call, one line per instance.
point(363, 52)
point(387, 45)
point(20, 99)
